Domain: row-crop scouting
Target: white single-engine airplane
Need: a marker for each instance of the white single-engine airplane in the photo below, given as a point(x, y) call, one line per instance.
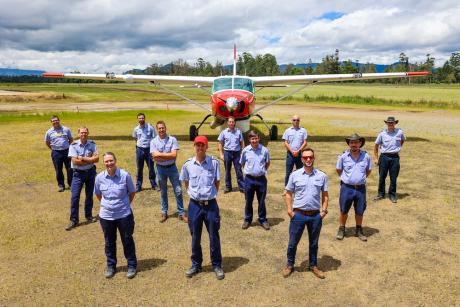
point(235, 95)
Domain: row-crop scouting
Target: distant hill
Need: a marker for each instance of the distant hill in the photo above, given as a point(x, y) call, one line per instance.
point(20, 72)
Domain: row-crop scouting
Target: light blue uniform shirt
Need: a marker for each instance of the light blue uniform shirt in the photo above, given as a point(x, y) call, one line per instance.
point(307, 188)
point(58, 138)
point(115, 192)
point(354, 172)
point(231, 139)
point(87, 150)
point(390, 142)
point(201, 178)
point(144, 135)
point(254, 160)
point(295, 137)
point(166, 145)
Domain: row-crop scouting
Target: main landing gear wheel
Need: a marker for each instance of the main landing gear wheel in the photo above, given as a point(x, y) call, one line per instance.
point(193, 132)
point(274, 133)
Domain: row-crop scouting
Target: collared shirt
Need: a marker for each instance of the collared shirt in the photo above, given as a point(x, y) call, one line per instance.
point(58, 138)
point(231, 139)
point(144, 135)
point(115, 192)
point(166, 145)
point(295, 137)
point(254, 160)
point(354, 172)
point(201, 177)
point(87, 150)
point(390, 142)
point(307, 188)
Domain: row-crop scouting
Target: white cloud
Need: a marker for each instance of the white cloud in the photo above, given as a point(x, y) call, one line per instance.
point(99, 36)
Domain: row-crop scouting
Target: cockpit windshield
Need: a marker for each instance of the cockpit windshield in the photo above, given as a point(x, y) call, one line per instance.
point(240, 83)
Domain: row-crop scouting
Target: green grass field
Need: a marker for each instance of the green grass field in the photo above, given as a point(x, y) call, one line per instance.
point(411, 257)
point(445, 96)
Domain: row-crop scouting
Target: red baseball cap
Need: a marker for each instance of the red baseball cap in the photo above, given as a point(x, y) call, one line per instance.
point(201, 139)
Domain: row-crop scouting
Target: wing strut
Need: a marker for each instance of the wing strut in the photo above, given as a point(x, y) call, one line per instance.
point(281, 98)
point(183, 97)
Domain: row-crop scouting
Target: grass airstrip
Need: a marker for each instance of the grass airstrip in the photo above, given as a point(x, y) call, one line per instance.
point(411, 257)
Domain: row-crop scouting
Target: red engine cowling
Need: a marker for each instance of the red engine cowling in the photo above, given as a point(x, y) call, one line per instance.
point(237, 103)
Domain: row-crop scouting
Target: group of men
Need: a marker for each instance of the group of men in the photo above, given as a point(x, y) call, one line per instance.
point(306, 189)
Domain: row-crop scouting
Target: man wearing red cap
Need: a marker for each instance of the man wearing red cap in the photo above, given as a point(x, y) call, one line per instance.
point(201, 177)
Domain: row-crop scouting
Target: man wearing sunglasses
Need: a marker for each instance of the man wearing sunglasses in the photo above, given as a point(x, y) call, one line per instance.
point(353, 167)
point(295, 139)
point(308, 208)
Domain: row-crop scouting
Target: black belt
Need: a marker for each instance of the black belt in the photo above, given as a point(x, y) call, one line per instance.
point(306, 212)
point(203, 202)
point(169, 165)
point(84, 170)
point(353, 186)
point(255, 177)
point(392, 155)
point(60, 150)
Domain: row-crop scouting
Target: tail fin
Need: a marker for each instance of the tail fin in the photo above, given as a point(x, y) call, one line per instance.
point(234, 59)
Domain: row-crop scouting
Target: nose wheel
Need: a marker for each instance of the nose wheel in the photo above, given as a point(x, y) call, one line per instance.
point(272, 131)
point(193, 131)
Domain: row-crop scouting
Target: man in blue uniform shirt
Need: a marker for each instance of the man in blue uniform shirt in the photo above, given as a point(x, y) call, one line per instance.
point(230, 144)
point(353, 167)
point(144, 133)
point(163, 149)
point(309, 186)
point(58, 138)
point(295, 139)
point(84, 155)
point(255, 159)
point(390, 142)
point(201, 177)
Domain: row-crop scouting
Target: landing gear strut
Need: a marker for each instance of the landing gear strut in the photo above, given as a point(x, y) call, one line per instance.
point(273, 130)
point(193, 131)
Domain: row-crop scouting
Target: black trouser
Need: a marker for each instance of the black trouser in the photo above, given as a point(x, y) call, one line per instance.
point(388, 163)
point(60, 158)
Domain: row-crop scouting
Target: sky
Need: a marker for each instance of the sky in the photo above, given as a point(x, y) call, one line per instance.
point(115, 36)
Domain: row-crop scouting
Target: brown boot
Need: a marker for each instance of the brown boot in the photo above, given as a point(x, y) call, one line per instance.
point(164, 217)
point(318, 273)
point(287, 271)
point(183, 218)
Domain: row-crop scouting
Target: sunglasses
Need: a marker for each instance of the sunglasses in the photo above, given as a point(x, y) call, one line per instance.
point(308, 158)
point(296, 120)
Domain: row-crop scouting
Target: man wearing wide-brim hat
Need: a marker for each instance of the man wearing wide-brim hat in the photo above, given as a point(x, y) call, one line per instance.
point(353, 167)
point(389, 141)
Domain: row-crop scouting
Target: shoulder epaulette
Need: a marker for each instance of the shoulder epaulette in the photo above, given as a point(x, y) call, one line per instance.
point(91, 141)
point(74, 143)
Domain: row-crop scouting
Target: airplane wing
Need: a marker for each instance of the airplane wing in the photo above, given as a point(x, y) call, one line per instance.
point(306, 79)
point(159, 79)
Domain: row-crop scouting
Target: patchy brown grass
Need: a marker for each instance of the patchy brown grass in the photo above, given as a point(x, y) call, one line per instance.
point(411, 257)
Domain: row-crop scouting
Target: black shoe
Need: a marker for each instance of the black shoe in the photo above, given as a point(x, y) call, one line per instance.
point(245, 225)
point(379, 197)
point(219, 273)
point(341, 233)
point(192, 271)
point(138, 189)
point(265, 225)
point(61, 188)
point(359, 233)
point(393, 199)
point(91, 219)
point(131, 273)
point(241, 191)
point(227, 191)
point(156, 188)
point(71, 225)
point(110, 272)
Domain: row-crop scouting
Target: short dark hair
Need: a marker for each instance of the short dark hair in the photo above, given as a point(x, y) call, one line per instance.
point(308, 149)
point(109, 153)
point(253, 134)
point(53, 117)
point(83, 127)
point(231, 118)
point(140, 114)
point(160, 122)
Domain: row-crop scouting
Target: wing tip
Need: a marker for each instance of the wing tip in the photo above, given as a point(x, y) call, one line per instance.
point(417, 73)
point(52, 75)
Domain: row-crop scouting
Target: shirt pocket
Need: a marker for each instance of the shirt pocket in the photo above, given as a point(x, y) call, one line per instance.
point(194, 181)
